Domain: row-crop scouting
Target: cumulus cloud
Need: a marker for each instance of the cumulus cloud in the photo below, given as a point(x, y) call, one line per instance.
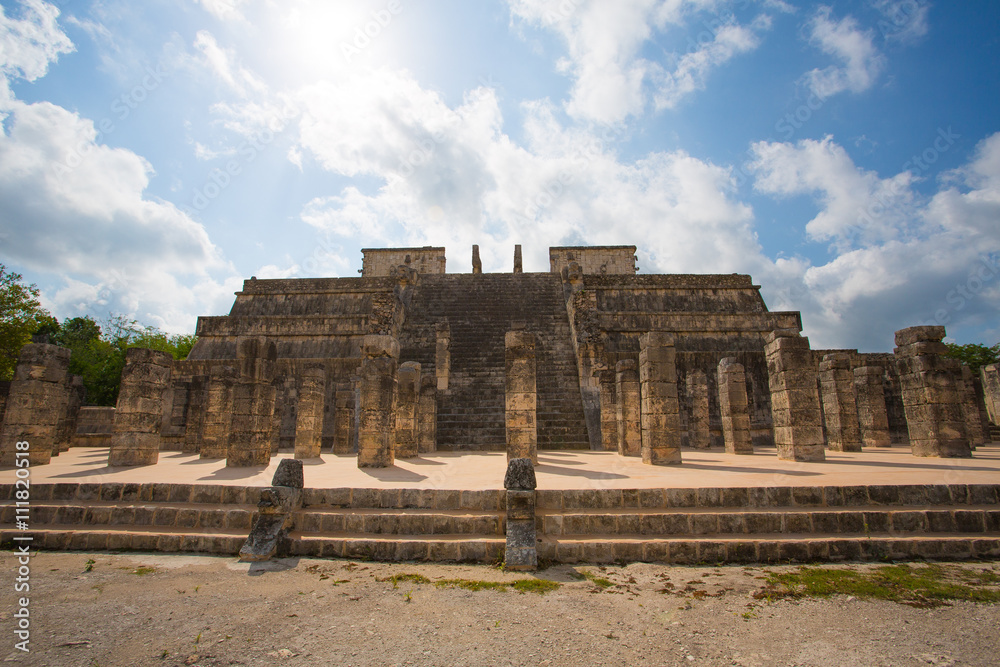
point(224, 10)
point(847, 42)
point(29, 44)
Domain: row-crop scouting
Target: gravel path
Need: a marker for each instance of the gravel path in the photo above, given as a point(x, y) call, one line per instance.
point(156, 609)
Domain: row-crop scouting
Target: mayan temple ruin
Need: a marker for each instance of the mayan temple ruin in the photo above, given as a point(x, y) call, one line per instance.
point(408, 362)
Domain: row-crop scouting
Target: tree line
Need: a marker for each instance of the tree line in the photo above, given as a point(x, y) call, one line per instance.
point(98, 346)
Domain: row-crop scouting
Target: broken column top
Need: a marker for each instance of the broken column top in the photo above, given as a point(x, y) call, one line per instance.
point(834, 361)
point(44, 353)
point(520, 475)
point(519, 338)
point(656, 339)
point(141, 355)
point(625, 365)
point(375, 345)
point(730, 362)
point(771, 336)
point(289, 473)
point(911, 335)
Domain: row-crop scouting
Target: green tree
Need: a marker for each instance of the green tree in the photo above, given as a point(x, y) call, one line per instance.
point(974, 354)
point(21, 314)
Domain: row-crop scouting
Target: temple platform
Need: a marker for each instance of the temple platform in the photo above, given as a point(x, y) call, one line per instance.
point(562, 469)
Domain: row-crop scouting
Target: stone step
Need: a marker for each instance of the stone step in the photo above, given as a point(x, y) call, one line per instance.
point(765, 549)
point(830, 521)
point(438, 548)
point(399, 522)
point(129, 538)
point(94, 513)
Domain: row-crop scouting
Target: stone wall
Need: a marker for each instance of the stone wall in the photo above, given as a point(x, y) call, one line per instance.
point(380, 262)
point(598, 260)
point(94, 426)
point(990, 376)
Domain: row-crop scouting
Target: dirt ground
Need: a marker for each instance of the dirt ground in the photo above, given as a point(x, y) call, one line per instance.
point(157, 609)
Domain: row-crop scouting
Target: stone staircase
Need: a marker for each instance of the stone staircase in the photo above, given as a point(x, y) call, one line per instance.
point(766, 525)
point(480, 309)
point(993, 435)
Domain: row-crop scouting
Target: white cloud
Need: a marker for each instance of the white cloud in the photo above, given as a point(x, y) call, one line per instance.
point(223, 63)
point(903, 20)
point(845, 41)
point(224, 10)
point(29, 44)
point(604, 39)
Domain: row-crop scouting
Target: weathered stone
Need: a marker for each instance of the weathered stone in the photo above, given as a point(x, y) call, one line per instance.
point(289, 473)
point(520, 475)
point(628, 396)
point(517, 260)
point(970, 408)
point(427, 415)
point(990, 377)
point(477, 263)
point(377, 424)
point(520, 395)
point(872, 417)
point(407, 397)
point(309, 413)
point(698, 419)
point(609, 411)
point(253, 404)
point(840, 410)
point(930, 394)
point(76, 393)
point(36, 403)
point(442, 352)
point(734, 407)
point(344, 431)
point(135, 438)
point(659, 409)
point(798, 430)
point(218, 412)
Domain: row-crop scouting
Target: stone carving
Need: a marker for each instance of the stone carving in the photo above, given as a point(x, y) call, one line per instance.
point(520, 395)
point(377, 423)
point(659, 411)
point(840, 409)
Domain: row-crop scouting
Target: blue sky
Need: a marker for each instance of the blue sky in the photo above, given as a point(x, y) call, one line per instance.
point(846, 155)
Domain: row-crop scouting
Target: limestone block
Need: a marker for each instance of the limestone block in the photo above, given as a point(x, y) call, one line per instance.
point(36, 404)
point(970, 408)
point(698, 419)
point(427, 415)
point(609, 411)
point(659, 407)
point(734, 407)
point(135, 437)
point(520, 395)
point(442, 355)
point(377, 385)
point(343, 439)
point(797, 419)
point(407, 396)
point(872, 416)
point(628, 409)
point(309, 413)
point(840, 408)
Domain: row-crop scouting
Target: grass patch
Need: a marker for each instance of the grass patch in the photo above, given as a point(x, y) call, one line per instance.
point(540, 586)
point(920, 586)
point(406, 576)
point(142, 570)
point(600, 582)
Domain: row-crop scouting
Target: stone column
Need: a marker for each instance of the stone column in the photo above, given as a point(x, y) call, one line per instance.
point(135, 436)
point(34, 403)
point(309, 413)
point(427, 415)
point(76, 393)
point(840, 409)
point(520, 395)
point(934, 417)
point(218, 412)
point(628, 412)
point(873, 419)
point(253, 404)
point(377, 386)
point(194, 428)
point(970, 408)
point(442, 357)
point(659, 408)
point(795, 407)
point(343, 423)
point(407, 396)
point(990, 376)
point(697, 391)
point(609, 411)
point(521, 551)
point(734, 406)
point(517, 260)
point(477, 264)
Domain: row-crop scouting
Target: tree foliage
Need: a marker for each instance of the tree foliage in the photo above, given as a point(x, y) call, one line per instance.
point(974, 354)
point(21, 314)
point(99, 350)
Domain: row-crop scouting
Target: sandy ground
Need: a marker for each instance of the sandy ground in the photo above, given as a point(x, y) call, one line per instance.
point(157, 609)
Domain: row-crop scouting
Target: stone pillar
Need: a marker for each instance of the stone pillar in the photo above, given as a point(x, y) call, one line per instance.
point(930, 394)
point(343, 427)
point(873, 419)
point(407, 396)
point(659, 408)
point(135, 436)
point(795, 406)
point(628, 412)
point(309, 413)
point(521, 551)
point(194, 428)
point(34, 404)
point(218, 412)
point(427, 415)
point(609, 411)
point(76, 393)
point(477, 264)
point(990, 376)
point(734, 406)
point(970, 408)
point(517, 260)
point(697, 391)
point(520, 395)
point(377, 387)
point(840, 409)
point(253, 404)
point(442, 357)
